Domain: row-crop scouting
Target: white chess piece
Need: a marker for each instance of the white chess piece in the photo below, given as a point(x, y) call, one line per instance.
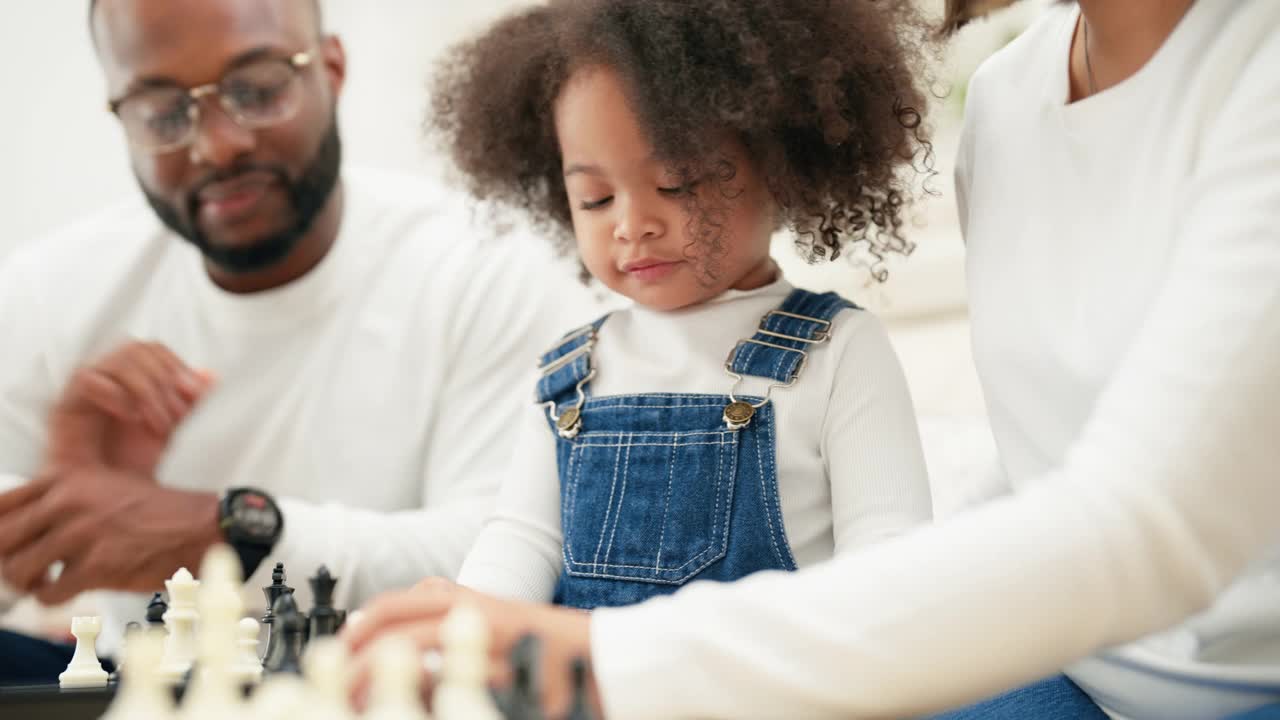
point(143, 694)
point(395, 693)
point(282, 695)
point(214, 693)
point(248, 665)
point(325, 668)
point(464, 685)
point(85, 671)
point(180, 622)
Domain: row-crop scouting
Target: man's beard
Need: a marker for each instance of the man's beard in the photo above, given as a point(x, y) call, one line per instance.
point(306, 197)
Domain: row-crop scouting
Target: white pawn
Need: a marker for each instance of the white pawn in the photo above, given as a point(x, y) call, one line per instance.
point(85, 670)
point(325, 667)
point(143, 694)
point(214, 693)
point(248, 666)
point(464, 685)
point(280, 696)
point(180, 623)
point(396, 692)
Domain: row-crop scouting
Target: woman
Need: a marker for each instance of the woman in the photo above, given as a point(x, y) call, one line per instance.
point(1119, 185)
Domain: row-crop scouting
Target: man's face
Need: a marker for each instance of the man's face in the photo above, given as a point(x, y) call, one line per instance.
point(262, 160)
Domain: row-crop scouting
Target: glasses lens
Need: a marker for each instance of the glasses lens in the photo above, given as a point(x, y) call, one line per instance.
point(158, 118)
point(262, 93)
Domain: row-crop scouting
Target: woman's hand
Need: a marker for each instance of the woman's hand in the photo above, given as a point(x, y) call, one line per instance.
point(418, 614)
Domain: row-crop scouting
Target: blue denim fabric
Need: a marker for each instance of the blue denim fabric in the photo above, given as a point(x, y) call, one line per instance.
point(1055, 698)
point(656, 491)
point(1270, 712)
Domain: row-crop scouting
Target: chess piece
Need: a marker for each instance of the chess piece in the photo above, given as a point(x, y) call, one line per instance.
point(180, 622)
point(280, 696)
point(580, 707)
point(285, 654)
point(214, 693)
point(464, 683)
point(395, 693)
point(324, 666)
point(522, 700)
point(142, 695)
point(247, 668)
point(156, 610)
point(274, 592)
point(85, 671)
point(324, 619)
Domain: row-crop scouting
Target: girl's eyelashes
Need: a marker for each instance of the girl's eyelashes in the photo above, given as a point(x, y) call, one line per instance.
point(595, 204)
point(675, 191)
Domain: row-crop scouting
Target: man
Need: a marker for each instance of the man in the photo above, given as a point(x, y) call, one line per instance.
point(320, 374)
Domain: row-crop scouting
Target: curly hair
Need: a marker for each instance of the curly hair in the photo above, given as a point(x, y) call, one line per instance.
point(824, 95)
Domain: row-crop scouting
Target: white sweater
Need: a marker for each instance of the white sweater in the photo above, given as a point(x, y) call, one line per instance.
point(850, 469)
point(1125, 278)
point(371, 397)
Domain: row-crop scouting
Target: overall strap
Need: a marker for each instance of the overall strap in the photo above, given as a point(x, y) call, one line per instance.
point(777, 350)
point(567, 364)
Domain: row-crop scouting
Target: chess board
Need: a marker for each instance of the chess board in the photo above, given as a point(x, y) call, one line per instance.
point(50, 702)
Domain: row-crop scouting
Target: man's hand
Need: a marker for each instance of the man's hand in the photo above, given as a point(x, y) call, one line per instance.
point(109, 531)
point(418, 614)
point(121, 411)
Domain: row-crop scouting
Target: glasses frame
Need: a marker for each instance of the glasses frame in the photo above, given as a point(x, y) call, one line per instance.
point(297, 63)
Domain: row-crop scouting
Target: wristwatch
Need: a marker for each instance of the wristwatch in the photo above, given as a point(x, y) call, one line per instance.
point(251, 523)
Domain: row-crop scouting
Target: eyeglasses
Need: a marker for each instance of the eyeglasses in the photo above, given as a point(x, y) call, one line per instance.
point(255, 95)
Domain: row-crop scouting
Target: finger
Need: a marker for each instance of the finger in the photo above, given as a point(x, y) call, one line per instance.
point(20, 497)
point(423, 635)
point(192, 384)
point(177, 382)
point(75, 579)
point(137, 374)
point(108, 395)
point(28, 568)
point(33, 520)
point(393, 610)
point(165, 371)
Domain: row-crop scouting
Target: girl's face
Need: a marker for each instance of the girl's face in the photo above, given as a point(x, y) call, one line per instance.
point(630, 214)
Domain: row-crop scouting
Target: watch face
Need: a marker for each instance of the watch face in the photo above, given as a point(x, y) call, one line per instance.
point(253, 518)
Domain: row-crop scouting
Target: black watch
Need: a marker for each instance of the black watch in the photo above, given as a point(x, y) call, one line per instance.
point(251, 524)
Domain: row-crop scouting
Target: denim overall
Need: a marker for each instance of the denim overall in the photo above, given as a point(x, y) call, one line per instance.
point(658, 490)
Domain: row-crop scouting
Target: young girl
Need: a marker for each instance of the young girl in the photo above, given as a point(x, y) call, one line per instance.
point(725, 423)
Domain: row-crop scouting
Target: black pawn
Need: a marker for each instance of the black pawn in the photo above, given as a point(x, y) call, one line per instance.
point(156, 610)
point(581, 708)
point(522, 701)
point(285, 655)
point(324, 619)
point(274, 592)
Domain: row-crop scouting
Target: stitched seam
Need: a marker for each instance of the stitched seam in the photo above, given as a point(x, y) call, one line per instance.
point(608, 508)
point(764, 495)
point(568, 502)
point(666, 506)
point(622, 498)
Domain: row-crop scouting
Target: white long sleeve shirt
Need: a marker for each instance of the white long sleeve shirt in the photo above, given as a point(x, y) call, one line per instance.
point(1125, 276)
point(850, 469)
point(371, 397)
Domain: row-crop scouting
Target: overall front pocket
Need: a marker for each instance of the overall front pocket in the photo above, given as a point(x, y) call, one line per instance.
point(648, 506)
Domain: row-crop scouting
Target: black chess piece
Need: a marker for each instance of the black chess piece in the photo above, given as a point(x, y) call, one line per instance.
point(290, 635)
point(581, 707)
point(324, 619)
point(274, 592)
point(521, 701)
point(156, 610)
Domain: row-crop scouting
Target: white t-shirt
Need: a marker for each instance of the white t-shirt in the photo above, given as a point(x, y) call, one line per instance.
point(371, 397)
point(1125, 278)
point(850, 470)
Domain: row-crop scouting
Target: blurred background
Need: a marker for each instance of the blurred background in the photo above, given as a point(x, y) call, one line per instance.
point(64, 157)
